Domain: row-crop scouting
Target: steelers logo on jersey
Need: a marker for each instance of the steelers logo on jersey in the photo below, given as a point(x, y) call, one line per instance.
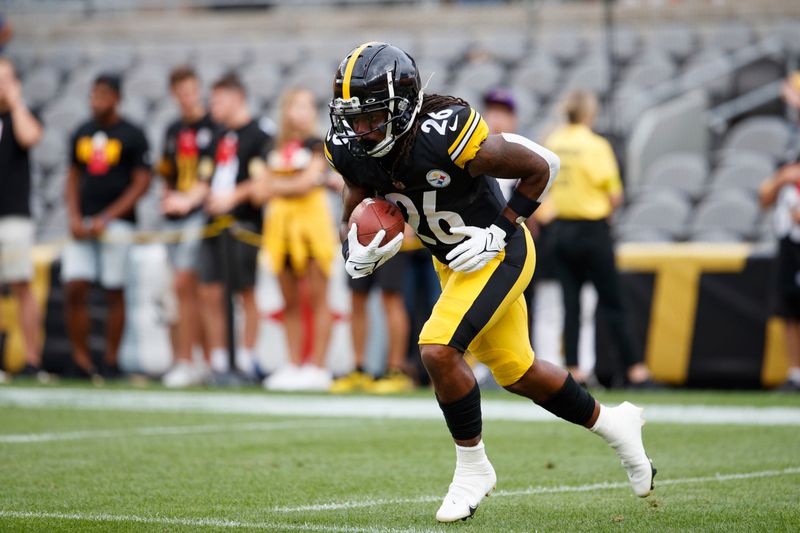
point(438, 178)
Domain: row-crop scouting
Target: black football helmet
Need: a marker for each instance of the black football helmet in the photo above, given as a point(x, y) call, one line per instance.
point(375, 78)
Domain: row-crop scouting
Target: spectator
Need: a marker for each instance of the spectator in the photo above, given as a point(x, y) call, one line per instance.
point(391, 280)
point(109, 172)
point(782, 191)
point(186, 166)
point(240, 152)
point(299, 236)
point(19, 131)
point(586, 193)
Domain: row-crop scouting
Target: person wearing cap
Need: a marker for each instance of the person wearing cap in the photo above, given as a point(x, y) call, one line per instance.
point(586, 194)
point(109, 171)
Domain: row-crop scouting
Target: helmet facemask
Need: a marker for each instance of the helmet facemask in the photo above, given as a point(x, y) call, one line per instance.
point(399, 114)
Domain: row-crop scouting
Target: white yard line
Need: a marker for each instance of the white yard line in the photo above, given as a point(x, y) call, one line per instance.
point(194, 522)
point(25, 438)
point(354, 504)
point(334, 506)
point(361, 407)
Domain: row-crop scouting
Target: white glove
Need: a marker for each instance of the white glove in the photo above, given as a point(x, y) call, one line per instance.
point(480, 247)
point(363, 260)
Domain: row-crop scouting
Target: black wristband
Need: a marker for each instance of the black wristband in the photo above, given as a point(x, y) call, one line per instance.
point(504, 224)
point(345, 249)
point(522, 205)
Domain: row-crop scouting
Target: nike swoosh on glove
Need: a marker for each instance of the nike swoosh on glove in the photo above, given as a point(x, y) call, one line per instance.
point(481, 246)
point(363, 260)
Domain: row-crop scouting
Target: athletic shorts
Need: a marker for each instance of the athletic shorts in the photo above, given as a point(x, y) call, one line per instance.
point(485, 312)
point(184, 249)
point(16, 241)
point(104, 260)
point(241, 258)
point(389, 277)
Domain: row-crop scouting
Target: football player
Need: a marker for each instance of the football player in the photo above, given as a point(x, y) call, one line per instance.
point(430, 155)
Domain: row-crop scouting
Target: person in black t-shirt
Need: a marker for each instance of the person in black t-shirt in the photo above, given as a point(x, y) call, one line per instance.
point(19, 131)
point(109, 172)
point(186, 165)
point(240, 153)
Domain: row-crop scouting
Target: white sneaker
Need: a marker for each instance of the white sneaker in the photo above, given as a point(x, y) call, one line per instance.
point(312, 378)
point(282, 379)
point(220, 361)
point(474, 478)
point(621, 427)
point(201, 373)
point(181, 375)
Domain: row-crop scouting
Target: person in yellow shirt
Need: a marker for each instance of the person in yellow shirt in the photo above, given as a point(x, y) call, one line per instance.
point(584, 196)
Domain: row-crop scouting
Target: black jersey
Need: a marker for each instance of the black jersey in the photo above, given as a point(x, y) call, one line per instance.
point(434, 190)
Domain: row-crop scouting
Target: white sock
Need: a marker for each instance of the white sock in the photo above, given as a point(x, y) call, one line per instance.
point(602, 425)
point(219, 360)
point(471, 455)
point(794, 374)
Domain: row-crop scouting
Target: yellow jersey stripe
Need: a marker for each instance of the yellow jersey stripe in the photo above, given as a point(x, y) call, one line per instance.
point(462, 133)
point(473, 143)
point(348, 70)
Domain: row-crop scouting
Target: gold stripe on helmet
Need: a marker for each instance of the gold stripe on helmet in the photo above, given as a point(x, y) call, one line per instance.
point(348, 70)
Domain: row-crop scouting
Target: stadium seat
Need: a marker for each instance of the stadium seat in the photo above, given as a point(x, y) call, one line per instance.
point(165, 55)
point(508, 47)
point(709, 70)
point(590, 77)
point(481, 76)
point(666, 213)
point(682, 172)
point(209, 72)
point(40, 86)
point(768, 135)
point(731, 211)
point(114, 60)
point(744, 157)
point(677, 41)
point(65, 57)
point(634, 234)
point(717, 235)
point(148, 81)
point(744, 175)
point(50, 152)
point(541, 77)
point(134, 109)
point(565, 46)
point(263, 81)
point(63, 116)
point(728, 37)
point(627, 43)
point(24, 58)
point(648, 74)
point(228, 56)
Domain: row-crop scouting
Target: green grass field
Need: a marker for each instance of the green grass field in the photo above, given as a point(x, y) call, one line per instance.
point(102, 468)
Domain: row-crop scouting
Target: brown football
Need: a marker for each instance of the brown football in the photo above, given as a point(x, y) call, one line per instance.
point(373, 215)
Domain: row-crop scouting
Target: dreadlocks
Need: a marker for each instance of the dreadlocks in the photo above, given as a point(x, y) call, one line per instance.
point(431, 103)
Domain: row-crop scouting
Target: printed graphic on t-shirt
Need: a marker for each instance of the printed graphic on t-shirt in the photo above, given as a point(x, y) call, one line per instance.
point(227, 167)
point(98, 153)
